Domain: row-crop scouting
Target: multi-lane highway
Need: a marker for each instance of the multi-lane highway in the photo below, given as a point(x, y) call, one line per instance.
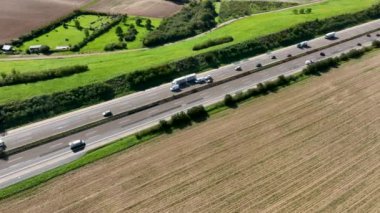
point(33, 161)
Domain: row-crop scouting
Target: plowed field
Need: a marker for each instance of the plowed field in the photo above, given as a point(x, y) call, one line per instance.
point(18, 17)
point(314, 146)
point(150, 8)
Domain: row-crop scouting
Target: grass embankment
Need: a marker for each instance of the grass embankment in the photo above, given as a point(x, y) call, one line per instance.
point(145, 135)
point(69, 36)
point(106, 66)
point(110, 37)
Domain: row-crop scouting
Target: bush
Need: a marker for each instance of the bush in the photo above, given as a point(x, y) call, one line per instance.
point(30, 77)
point(197, 113)
point(180, 120)
point(376, 44)
point(193, 19)
point(213, 42)
point(229, 101)
point(115, 46)
point(164, 126)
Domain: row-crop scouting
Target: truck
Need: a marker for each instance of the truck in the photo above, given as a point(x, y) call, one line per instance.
point(178, 82)
point(331, 35)
point(185, 79)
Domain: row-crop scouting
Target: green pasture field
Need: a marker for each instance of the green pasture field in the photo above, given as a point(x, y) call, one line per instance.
point(70, 36)
point(108, 65)
point(110, 37)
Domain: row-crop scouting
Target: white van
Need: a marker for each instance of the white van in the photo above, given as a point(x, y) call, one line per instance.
point(77, 144)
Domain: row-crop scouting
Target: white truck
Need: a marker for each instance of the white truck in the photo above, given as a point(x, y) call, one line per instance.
point(178, 82)
point(331, 35)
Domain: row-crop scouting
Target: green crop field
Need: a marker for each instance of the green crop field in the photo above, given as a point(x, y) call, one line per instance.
point(105, 66)
point(69, 36)
point(110, 37)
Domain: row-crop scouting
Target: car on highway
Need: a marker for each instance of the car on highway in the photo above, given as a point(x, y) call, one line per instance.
point(206, 79)
point(107, 113)
point(238, 68)
point(308, 62)
point(303, 44)
point(2, 145)
point(77, 144)
point(259, 65)
point(175, 88)
point(322, 54)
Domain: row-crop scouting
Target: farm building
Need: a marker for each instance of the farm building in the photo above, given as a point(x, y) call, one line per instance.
point(62, 48)
point(7, 48)
point(35, 48)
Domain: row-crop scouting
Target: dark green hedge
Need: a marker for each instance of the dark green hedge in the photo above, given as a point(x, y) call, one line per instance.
point(213, 42)
point(30, 77)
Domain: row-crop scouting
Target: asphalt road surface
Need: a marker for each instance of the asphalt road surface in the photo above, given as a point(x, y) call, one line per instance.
point(44, 157)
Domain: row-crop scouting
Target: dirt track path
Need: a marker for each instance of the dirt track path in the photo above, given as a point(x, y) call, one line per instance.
point(311, 147)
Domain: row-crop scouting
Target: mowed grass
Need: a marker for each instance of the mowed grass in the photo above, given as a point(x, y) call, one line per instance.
point(106, 66)
point(309, 147)
point(69, 36)
point(110, 37)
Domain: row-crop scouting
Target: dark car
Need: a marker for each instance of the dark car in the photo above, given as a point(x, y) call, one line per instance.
point(107, 113)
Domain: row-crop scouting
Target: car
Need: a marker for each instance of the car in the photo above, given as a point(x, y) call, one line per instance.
point(359, 44)
point(274, 57)
point(322, 54)
point(206, 79)
point(107, 113)
point(2, 145)
point(175, 88)
point(238, 68)
point(289, 55)
point(77, 144)
point(368, 35)
point(378, 35)
point(308, 62)
point(259, 65)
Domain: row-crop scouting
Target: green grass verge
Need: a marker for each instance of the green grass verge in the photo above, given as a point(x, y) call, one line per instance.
point(123, 144)
point(103, 67)
point(110, 37)
point(70, 36)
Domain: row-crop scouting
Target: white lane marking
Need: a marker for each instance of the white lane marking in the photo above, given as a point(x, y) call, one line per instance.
point(16, 159)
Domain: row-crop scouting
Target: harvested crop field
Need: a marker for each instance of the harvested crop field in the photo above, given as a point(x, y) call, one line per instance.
point(314, 146)
point(149, 8)
point(18, 17)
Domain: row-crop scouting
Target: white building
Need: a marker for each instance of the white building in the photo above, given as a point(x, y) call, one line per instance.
point(35, 48)
point(7, 48)
point(62, 48)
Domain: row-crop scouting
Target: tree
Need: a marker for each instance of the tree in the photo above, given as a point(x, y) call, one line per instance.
point(86, 32)
point(77, 24)
point(119, 31)
point(45, 49)
point(138, 22)
point(308, 10)
point(229, 101)
point(148, 24)
point(302, 11)
point(295, 11)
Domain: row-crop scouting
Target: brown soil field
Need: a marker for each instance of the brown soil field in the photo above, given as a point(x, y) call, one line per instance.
point(311, 147)
point(18, 17)
point(149, 8)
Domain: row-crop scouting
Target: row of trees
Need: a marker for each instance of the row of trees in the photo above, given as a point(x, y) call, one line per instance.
point(143, 79)
point(129, 35)
point(302, 11)
point(193, 19)
point(105, 28)
point(177, 121)
point(115, 46)
point(16, 77)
